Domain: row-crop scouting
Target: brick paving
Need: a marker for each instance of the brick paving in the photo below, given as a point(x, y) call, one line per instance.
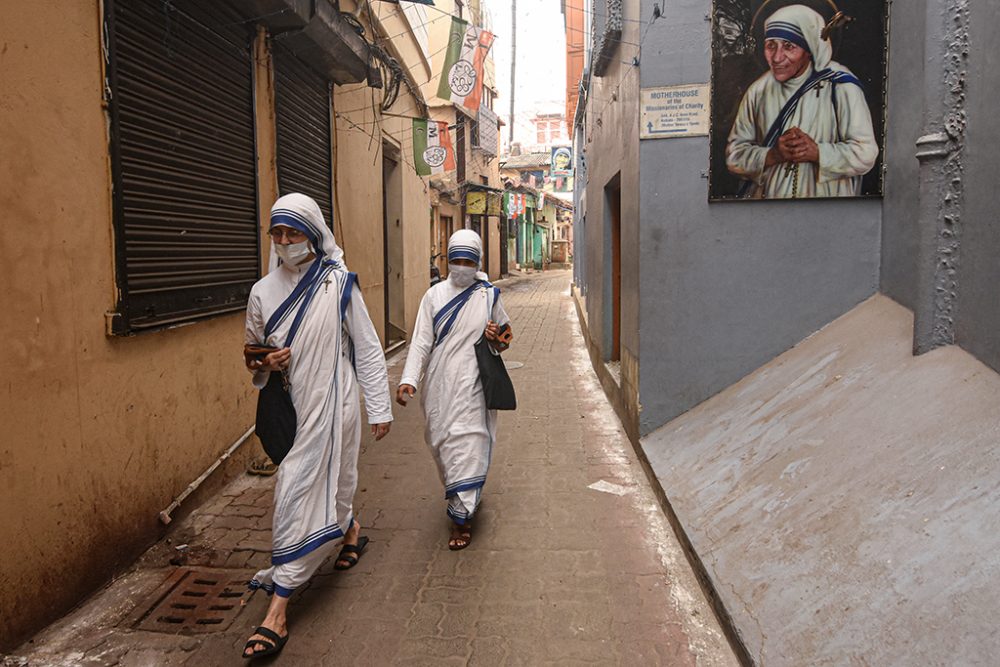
point(572, 561)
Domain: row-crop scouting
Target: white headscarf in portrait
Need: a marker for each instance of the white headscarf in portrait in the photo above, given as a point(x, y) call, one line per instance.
point(801, 25)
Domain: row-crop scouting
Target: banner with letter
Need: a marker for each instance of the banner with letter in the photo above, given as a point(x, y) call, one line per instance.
point(464, 64)
point(433, 152)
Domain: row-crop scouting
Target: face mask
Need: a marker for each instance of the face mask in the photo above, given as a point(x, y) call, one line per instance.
point(462, 276)
point(294, 253)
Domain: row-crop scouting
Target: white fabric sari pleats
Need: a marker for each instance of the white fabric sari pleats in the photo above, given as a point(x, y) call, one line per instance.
point(460, 431)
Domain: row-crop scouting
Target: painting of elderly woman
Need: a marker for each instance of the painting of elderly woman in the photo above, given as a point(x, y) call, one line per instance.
point(797, 109)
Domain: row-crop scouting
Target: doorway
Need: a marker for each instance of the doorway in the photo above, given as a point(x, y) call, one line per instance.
point(392, 239)
point(445, 230)
point(613, 275)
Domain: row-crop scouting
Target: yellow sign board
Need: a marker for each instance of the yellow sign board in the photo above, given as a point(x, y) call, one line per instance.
point(475, 203)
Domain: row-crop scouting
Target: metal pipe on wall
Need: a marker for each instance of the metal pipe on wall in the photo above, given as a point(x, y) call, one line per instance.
point(193, 486)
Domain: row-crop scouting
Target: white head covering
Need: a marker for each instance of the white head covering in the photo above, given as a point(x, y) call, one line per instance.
point(301, 212)
point(803, 26)
point(466, 244)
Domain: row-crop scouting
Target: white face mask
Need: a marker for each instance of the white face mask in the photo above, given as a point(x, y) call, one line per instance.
point(462, 276)
point(293, 253)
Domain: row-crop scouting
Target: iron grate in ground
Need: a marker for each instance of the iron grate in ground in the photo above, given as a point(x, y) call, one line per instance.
point(194, 600)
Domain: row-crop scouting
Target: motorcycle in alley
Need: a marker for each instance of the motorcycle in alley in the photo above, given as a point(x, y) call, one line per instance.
point(435, 271)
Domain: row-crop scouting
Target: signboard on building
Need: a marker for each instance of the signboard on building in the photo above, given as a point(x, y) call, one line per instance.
point(494, 205)
point(674, 111)
point(561, 162)
point(475, 203)
point(489, 135)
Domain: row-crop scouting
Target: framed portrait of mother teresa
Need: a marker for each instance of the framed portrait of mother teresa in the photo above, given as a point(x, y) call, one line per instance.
point(798, 99)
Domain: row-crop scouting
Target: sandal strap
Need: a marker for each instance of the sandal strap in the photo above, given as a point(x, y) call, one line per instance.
point(267, 632)
point(355, 548)
point(253, 643)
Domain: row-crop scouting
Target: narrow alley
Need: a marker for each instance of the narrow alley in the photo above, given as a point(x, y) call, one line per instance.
point(572, 560)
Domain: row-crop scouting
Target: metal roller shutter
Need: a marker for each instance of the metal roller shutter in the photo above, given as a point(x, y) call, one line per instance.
point(184, 161)
point(302, 101)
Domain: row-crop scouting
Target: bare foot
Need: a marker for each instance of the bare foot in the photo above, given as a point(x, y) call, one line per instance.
point(461, 536)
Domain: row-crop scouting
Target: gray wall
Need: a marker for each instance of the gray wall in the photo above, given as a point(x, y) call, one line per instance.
point(728, 286)
point(977, 321)
point(904, 123)
point(611, 146)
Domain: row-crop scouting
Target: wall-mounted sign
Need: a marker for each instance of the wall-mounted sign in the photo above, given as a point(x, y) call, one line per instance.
point(494, 203)
point(561, 161)
point(674, 111)
point(475, 203)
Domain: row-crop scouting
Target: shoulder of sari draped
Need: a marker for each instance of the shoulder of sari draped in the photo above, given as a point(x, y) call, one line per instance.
point(445, 318)
point(817, 78)
point(296, 304)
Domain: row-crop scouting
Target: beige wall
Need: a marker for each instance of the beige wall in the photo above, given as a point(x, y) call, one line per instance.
point(99, 433)
point(358, 198)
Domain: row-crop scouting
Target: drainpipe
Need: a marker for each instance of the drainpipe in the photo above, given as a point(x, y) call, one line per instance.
point(193, 486)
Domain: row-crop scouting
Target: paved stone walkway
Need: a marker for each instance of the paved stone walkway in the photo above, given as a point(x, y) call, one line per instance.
point(572, 561)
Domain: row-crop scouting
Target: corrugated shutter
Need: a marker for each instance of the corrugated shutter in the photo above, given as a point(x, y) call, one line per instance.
point(184, 160)
point(302, 101)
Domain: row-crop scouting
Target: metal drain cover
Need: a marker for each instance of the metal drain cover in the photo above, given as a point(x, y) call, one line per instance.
point(194, 600)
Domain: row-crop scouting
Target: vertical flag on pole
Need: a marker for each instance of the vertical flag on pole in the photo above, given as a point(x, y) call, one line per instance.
point(432, 149)
point(464, 64)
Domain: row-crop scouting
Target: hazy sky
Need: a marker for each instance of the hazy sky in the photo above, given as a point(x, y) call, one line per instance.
point(541, 62)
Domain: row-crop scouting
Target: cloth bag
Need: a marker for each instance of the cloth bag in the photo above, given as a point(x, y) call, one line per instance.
point(276, 418)
point(497, 387)
point(498, 390)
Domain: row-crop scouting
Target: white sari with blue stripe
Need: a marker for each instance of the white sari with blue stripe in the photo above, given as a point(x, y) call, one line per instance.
point(459, 430)
point(318, 312)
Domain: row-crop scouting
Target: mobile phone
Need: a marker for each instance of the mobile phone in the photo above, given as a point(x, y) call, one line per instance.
point(254, 352)
point(505, 335)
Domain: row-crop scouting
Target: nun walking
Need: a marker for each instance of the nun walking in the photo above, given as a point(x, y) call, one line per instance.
point(310, 308)
point(460, 430)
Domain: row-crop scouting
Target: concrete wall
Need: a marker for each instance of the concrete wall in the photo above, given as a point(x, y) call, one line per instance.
point(99, 433)
point(977, 322)
point(904, 123)
point(358, 204)
point(612, 149)
point(843, 499)
point(728, 286)
point(358, 186)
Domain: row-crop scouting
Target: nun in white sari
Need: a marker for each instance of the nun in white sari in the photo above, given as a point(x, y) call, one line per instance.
point(803, 129)
point(459, 430)
point(311, 308)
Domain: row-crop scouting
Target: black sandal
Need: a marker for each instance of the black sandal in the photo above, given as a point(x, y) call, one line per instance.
point(347, 553)
point(462, 537)
point(272, 645)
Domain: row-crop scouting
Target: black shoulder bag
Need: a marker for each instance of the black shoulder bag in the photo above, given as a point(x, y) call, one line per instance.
point(276, 418)
point(497, 387)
